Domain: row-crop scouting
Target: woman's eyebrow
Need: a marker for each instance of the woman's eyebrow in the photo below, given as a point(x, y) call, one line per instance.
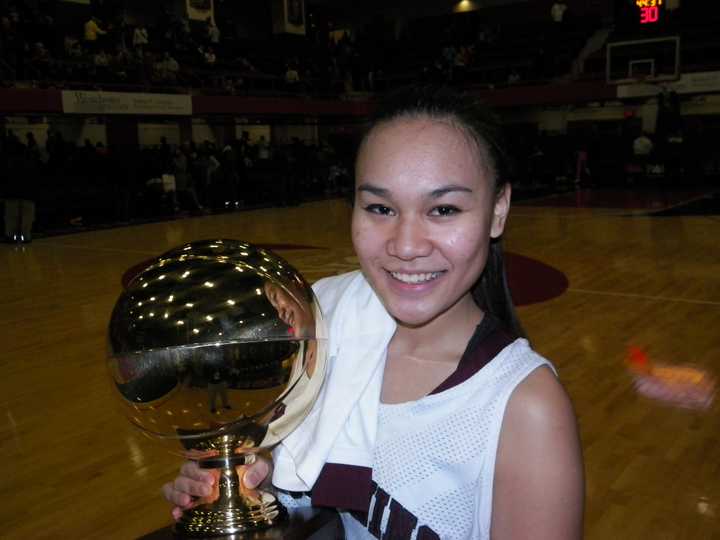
point(434, 194)
point(375, 190)
point(437, 193)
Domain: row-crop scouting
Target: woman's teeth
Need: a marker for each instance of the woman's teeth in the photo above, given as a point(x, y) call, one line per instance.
point(415, 278)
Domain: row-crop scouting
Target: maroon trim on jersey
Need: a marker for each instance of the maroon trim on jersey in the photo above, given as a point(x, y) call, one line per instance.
point(426, 533)
point(485, 344)
point(381, 501)
point(348, 487)
point(399, 521)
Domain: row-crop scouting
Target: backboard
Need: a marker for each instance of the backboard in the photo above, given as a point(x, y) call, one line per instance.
point(643, 60)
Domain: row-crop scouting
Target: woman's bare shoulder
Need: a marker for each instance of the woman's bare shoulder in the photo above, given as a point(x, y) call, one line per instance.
point(539, 486)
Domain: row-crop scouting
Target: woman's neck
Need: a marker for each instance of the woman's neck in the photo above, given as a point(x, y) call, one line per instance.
point(420, 358)
point(445, 336)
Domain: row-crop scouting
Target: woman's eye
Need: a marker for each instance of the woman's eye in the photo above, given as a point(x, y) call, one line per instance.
point(444, 211)
point(379, 209)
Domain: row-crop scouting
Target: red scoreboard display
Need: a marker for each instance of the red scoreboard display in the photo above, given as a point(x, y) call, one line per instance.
point(649, 11)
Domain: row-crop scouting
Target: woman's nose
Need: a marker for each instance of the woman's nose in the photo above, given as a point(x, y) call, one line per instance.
point(409, 239)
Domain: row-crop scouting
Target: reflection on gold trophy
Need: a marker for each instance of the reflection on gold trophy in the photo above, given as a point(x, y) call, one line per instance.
point(218, 347)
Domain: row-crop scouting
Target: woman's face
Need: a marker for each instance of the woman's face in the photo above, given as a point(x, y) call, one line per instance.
point(424, 214)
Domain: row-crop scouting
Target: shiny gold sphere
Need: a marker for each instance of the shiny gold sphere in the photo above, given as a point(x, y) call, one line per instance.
point(217, 341)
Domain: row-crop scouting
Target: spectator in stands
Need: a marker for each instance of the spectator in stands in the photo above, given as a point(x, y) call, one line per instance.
point(140, 37)
point(642, 150)
point(183, 35)
point(463, 58)
point(20, 173)
point(213, 33)
point(101, 64)
point(121, 63)
point(198, 163)
point(448, 54)
point(120, 31)
point(184, 185)
point(642, 145)
point(158, 70)
point(101, 59)
point(582, 158)
point(13, 44)
point(165, 154)
point(167, 68)
point(228, 179)
point(228, 86)
point(40, 57)
point(209, 56)
point(147, 67)
point(213, 173)
point(292, 78)
point(32, 148)
point(93, 33)
point(184, 26)
point(263, 149)
point(72, 47)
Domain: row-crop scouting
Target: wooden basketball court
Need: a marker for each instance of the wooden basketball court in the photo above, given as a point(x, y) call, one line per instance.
point(72, 467)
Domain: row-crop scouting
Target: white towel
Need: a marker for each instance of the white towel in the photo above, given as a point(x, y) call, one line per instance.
point(342, 424)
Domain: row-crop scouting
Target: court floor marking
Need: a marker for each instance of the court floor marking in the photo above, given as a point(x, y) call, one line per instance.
point(611, 209)
point(650, 212)
point(644, 296)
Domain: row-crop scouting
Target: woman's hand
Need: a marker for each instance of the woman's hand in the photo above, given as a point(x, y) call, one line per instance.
point(188, 489)
point(195, 485)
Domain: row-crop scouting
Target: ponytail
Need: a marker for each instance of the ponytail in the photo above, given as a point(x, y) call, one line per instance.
point(492, 293)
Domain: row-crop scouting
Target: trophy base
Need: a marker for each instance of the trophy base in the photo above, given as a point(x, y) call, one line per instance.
point(213, 520)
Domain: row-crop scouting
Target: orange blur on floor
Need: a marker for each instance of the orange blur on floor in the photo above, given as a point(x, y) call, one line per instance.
point(72, 467)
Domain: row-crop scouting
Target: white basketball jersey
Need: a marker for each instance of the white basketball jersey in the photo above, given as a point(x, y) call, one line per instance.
point(434, 459)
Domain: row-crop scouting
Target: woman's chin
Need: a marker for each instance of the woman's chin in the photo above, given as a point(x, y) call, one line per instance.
point(412, 319)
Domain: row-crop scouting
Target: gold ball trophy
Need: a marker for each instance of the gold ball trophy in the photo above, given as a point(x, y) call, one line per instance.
point(218, 347)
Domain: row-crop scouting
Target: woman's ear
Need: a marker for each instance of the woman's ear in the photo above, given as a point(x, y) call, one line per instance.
point(500, 211)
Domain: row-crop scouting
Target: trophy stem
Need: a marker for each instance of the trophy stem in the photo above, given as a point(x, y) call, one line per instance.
point(236, 509)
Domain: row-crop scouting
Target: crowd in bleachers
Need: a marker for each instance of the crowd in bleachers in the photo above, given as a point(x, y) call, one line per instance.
point(97, 51)
point(92, 184)
point(676, 154)
point(44, 47)
point(89, 185)
point(173, 54)
point(109, 46)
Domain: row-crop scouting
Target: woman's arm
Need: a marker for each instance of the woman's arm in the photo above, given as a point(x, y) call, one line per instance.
point(539, 482)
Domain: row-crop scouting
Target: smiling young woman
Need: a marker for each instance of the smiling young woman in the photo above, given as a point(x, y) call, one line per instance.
point(437, 419)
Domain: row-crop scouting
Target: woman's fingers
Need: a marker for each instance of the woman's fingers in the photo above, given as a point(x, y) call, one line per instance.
point(192, 470)
point(192, 487)
point(175, 497)
point(191, 483)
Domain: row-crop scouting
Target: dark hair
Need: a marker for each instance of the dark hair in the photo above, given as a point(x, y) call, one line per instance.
point(473, 119)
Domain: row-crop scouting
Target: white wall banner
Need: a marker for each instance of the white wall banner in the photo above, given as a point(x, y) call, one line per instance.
point(125, 103)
